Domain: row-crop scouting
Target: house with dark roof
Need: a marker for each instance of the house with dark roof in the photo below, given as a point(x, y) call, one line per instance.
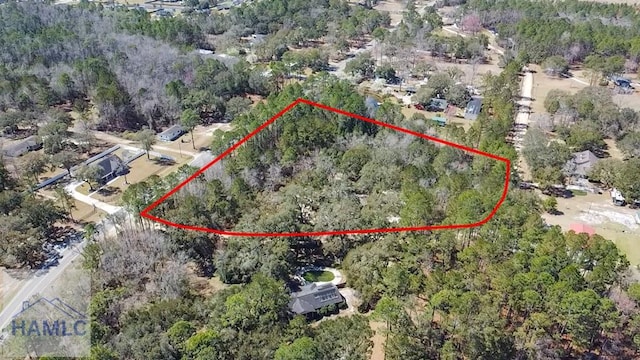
point(111, 166)
point(32, 143)
point(171, 133)
point(313, 297)
point(437, 105)
point(582, 162)
point(473, 108)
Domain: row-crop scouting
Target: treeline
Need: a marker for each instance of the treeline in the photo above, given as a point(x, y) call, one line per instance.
point(179, 31)
point(56, 54)
point(138, 71)
point(308, 20)
point(573, 29)
point(170, 319)
point(324, 171)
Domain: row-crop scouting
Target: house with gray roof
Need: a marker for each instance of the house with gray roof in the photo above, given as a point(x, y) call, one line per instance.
point(171, 133)
point(111, 166)
point(313, 297)
point(582, 162)
point(32, 143)
point(473, 108)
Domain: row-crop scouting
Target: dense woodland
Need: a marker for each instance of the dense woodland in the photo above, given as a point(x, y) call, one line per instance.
point(124, 62)
point(575, 29)
point(513, 288)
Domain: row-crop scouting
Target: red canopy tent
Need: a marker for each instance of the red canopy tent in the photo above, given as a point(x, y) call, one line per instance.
point(582, 228)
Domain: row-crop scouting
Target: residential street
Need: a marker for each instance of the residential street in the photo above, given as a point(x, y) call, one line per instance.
point(37, 284)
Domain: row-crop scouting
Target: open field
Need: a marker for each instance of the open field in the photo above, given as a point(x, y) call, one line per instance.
point(543, 84)
point(612, 222)
point(628, 101)
point(315, 276)
point(394, 8)
point(472, 73)
point(81, 212)
point(201, 137)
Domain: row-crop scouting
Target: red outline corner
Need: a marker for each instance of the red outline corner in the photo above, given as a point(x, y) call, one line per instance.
point(145, 212)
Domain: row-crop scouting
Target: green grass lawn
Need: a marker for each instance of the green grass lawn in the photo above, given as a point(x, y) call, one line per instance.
point(579, 192)
point(316, 276)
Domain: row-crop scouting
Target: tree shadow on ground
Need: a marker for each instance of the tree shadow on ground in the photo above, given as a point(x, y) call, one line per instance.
point(108, 191)
point(164, 161)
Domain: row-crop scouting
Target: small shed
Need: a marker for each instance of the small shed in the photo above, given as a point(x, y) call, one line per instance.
point(473, 108)
point(437, 105)
point(440, 120)
point(171, 133)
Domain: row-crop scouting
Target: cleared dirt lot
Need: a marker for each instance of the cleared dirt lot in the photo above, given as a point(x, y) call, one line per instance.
point(612, 222)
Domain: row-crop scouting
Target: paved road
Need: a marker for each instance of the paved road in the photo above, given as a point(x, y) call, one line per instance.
point(525, 101)
point(36, 284)
point(32, 286)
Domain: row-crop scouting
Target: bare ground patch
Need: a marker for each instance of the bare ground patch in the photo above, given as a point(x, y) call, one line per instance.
point(612, 222)
point(378, 340)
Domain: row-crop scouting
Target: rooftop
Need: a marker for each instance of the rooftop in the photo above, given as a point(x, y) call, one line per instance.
point(312, 297)
point(584, 157)
point(24, 146)
point(171, 130)
point(110, 164)
point(474, 106)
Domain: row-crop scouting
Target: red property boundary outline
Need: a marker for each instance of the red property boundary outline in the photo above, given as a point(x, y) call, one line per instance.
point(145, 213)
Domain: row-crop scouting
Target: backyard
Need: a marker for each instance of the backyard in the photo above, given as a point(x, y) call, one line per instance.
point(318, 276)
